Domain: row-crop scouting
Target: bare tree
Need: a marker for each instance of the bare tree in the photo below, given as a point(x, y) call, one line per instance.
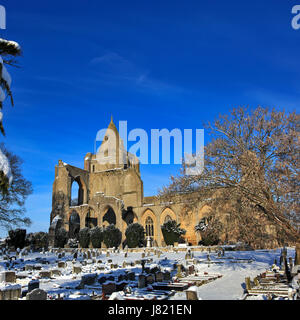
point(251, 162)
point(12, 202)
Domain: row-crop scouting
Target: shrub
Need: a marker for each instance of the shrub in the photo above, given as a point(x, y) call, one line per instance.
point(38, 240)
point(181, 240)
point(84, 237)
point(72, 243)
point(171, 232)
point(17, 238)
point(61, 238)
point(112, 236)
point(135, 235)
point(210, 229)
point(96, 237)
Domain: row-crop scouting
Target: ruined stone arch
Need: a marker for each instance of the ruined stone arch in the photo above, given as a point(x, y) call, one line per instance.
point(203, 211)
point(166, 214)
point(82, 191)
point(109, 216)
point(187, 220)
point(91, 219)
point(129, 216)
point(74, 224)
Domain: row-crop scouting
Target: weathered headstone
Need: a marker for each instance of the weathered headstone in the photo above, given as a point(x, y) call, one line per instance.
point(8, 277)
point(45, 274)
point(167, 276)
point(55, 272)
point(141, 281)
point(10, 292)
point(33, 284)
point(150, 279)
point(77, 269)
point(159, 276)
point(191, 293)
point(37, 294)
point(61, 264)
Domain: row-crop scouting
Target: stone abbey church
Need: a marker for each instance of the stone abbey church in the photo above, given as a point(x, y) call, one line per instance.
point(113, 194)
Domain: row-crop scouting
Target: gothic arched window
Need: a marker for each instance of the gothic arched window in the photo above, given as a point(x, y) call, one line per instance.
point(167, 218)
point(149, 227)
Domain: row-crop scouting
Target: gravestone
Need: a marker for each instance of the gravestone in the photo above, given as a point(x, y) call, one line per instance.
point(28, 267)
point(37, 294)
point(10, 292)
point(77, 269)
point(45, 274)
point(159, 276)
point(141, 281)
point(33, 284)
point(191, 269)
point(8, 277)
point(179, 273)
point(150, 279)
point(248, 283)
point(55, 272)
point(191, 293)
point(167, 276)
point(108, 288)
point(61, 264)
point(89, 256)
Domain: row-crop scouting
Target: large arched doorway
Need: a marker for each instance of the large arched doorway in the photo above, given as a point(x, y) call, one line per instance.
point(129, 216)
point(109, 217)
point(74, 225)
point(90, 220)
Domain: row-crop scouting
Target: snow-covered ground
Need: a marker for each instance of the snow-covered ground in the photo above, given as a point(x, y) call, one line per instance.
point(235, 266)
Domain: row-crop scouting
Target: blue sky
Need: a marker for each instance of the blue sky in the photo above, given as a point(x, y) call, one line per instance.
point(156, 64)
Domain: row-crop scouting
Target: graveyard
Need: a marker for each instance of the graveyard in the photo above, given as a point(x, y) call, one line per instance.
point(169, 273)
